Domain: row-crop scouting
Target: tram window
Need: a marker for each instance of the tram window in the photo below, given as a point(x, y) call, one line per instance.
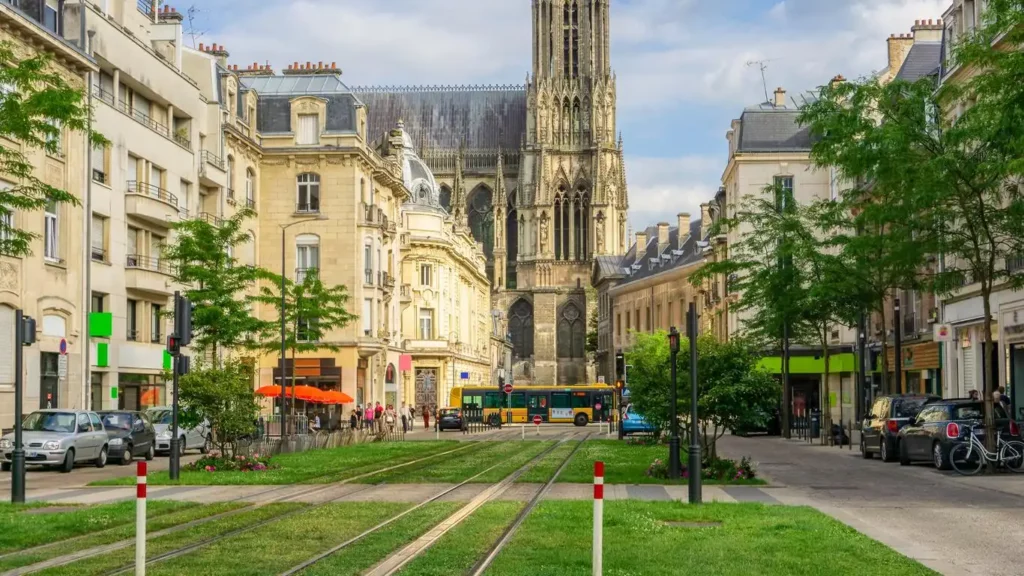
point(519, 400)
point(493, 400)
point(560, 400)
point(473, 402)
point(534, 401)
point(580, 400)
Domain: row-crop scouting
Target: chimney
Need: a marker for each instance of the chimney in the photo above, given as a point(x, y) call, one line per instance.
point(684, 228)
point(780, 98)
point(641, 244)
point(705, 220)
point(836, 80)
point(662, 234)
point(899, 46)
point(927, 30)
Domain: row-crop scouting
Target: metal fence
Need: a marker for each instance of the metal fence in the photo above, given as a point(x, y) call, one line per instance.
point(305, 439)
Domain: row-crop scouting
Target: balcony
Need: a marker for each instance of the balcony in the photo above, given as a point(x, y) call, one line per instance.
point(374, 216)
point(405, 292)
point(152, 203)
point(231, 195)
point(149, 274)
point(250, 203)
point(302, 273)
point(387, 281)
point(212, 170)
point(210, 219)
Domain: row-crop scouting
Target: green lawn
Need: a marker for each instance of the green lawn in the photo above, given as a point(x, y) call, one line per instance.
point(752, 539)
point(457, 467)
point(526, 452)
point(26, 525)
point(321, 466)
point(547, 466)
point(623, 464)
point(160, 514)
point(106, 563)
point(459, 550)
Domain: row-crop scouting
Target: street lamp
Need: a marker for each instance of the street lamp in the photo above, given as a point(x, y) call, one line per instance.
point(673, 443)
point(694, 467)
point(284, 303)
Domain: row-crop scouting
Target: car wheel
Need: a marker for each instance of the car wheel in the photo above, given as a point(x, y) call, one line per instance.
point(5, 466)
point(581, 420)
point(207, 445)
point(151, 453)
point(864, 449)
point(495, 420)
point(101, 460)
point(883, 450)
point(939, 457)
point(69, 461)
point(181, 446)
point(127, 458)
point(904, 456)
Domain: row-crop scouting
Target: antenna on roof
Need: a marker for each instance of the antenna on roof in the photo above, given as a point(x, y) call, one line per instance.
point(762, 65)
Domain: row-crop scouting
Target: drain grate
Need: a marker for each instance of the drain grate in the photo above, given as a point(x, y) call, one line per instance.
point(693, 524)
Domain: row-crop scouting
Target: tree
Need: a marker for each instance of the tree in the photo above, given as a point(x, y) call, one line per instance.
point(733, 391)
point(36, 105)
point(312, 312)
point(202, 253)
point(222, 396)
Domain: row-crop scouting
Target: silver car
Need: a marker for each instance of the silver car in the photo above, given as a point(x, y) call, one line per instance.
point(59, 438)
point(198, 437)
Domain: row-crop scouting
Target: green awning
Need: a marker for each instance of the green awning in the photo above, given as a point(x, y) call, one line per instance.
point(845, 362)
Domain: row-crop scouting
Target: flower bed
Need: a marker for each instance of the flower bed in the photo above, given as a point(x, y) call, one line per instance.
point(215, 462)
point(721, 469)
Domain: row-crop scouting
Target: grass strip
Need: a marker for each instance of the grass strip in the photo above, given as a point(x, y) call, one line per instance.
point(452, 468)
point(24, 526)
point(371, 467)
point(624, 464)
point(373, 549)
point(302, 466)
point(277, 547)
point(126, 556)
point(547, 466)
point(751, 539)
point(514, 462)
point(459, 550)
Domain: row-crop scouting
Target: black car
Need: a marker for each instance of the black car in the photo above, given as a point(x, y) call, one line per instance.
point(937, 428)
point(449, 419)
point(881, 425)
point(131, 434)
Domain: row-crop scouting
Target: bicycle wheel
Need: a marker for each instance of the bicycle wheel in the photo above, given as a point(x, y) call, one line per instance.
point(1012, 455)
point(966, 459)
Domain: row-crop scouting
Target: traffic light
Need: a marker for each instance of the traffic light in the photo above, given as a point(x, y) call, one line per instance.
point(620, 365)
point(183, 321)
point(173, 345)
point(28, 331)
point(184, 365)
point(618, 384)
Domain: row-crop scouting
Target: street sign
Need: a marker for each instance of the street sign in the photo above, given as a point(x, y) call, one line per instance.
point(62, 366)
point(113, 393)
point(63, 347)
point(597, 406)
point(537, 420)
point(508, 388)
point(464, 375)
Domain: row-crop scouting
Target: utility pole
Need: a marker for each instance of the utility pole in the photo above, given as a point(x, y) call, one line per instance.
point(180, 338)
point(24, 335)
point(896, 325)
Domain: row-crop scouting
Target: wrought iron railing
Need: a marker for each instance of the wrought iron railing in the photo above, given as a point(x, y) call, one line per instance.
point(145, 6)
point(213, 159)
point(144, 189)
point(210, 218)
point(183, 140)
point(99, 254)
point(100, 93)
point(302, 273)
point(368, 277)
point(132, 335)
point(250, 203)
point(151, 263)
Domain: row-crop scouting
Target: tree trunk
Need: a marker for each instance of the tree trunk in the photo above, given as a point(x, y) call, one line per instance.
point(826, 420)
point(988, 384)
point(885, 353)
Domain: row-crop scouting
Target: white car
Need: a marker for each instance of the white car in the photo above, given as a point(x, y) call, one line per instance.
point(199, 437)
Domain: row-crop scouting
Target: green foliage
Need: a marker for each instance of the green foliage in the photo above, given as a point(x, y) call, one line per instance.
point(202, 253)
point(223, 397)
point(36, 106)
point(312, 311)
point(733, 391)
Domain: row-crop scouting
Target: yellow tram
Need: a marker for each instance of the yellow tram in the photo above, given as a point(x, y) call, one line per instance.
point(579, 405)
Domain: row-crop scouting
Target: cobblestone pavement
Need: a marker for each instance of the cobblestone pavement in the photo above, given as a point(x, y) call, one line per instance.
point(953, 524)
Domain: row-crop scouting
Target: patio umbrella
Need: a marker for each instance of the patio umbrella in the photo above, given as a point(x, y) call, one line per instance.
point(335, 397)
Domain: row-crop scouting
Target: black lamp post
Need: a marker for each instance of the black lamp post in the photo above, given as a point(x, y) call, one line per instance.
point(694, 468)
point(673, 443)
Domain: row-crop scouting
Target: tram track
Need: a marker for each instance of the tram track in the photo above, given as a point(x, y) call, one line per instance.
point(96, 551)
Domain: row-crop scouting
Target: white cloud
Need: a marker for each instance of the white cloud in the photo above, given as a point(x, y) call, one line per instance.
point(659, 188)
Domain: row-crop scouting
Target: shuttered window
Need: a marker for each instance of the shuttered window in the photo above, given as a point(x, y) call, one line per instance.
point(309, 129)
point(6, 345)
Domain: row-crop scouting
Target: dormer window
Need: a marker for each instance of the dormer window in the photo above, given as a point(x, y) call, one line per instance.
point(309, 130)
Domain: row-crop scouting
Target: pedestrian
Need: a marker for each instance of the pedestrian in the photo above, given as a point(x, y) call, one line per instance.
point(412, 417)
point(437, 416)
point(378, 412)
point(389, 417)
point(403, 412)
point(426, 417)
point(973, 394)
point(368, 418)
point(358, 412)
point(353, 421)
point(1003, 398)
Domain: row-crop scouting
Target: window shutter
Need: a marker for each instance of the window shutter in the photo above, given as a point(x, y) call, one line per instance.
point(6, 345)
point(97, 232)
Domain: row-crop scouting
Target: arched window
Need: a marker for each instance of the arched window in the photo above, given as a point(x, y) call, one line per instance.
point(250, 187)
point(559, 198)
point(389, 374)
point(565, 39)
point(520, 327)
point(575, 39)
point(231, 176)
point(308, 199)
point(576, 118)
point(446, 198)
point(571, 333)
point(307, 255)
point(511, 242)
point(481, 221)
point(581, 224)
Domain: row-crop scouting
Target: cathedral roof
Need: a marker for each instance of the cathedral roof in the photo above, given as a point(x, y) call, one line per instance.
point(441, 118)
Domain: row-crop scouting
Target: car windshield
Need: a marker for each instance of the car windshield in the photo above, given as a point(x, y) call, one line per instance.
point(160, 416)
point(910, 407)
point(50, 422)
point(449, 412)
point(117, 420)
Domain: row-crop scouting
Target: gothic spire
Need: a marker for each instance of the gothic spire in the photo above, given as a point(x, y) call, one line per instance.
point(500, 194)
point(458, 206)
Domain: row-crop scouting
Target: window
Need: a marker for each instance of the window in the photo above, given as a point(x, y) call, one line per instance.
point(309, 130)
point(6, 345)
point(308, 193)
point(367, 316)
point(51, 238)
point(581, 400)
point(426, 272)
point(783, 191)
point(368, 264)
point(99, 238)
point(560, 400)
point(155, 322)
point(426, 324)
point(618, 324)
point(6, 218)
point(304, 329)
point(520, 327)
point(50, 16)
point(250, 187)
point(132, 321)
point(231, 177)
point(184, 191)
point(99, 164)
point(56, 138)
point(307, 255)
point(571, 332)
point(98, 302)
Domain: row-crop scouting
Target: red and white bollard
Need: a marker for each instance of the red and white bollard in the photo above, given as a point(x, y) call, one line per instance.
point(140, 519)
point(598, 516)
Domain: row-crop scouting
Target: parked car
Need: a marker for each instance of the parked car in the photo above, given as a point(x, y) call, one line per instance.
point(131, 434)
point(936, 429)
point(449, 419)
point(633, 422)
point(192, 438)
point(59, 438)
point(881, 425)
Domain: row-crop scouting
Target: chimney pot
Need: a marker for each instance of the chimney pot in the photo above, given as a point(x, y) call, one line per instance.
point(320, 65)
point(641, 244)
point(309, 65)
point(683, 221)
point(334, 65)
point(202, 47)
point(929, 21)
point(662, 233)
point(780, 97)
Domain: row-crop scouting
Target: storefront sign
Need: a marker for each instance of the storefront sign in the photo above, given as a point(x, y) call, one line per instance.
point(943, 333)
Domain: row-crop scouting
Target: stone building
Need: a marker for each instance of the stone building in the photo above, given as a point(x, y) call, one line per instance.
point(48, 283)
point(558, 198)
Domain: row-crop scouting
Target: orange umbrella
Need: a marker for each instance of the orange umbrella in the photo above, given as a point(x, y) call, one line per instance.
point(269, 391)
point(307, 393)
point(334, 397)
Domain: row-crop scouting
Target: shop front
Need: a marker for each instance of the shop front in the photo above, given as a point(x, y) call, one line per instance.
point(1013, 339)
point(141, 391)
point(806, 373)
point(921, 370)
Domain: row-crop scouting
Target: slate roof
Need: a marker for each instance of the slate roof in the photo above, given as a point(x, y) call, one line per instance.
point(609, 266)
point(765, 129)
point(296, 85)
point(653, 260)
point(441, 118)
point(923, 60)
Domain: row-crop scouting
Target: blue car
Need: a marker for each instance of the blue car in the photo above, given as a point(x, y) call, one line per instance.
point(632, 422)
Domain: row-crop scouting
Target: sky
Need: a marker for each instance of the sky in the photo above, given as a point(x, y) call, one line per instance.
point(682, 65)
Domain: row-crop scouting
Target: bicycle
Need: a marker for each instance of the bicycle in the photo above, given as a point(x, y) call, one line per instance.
point(968, 456)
